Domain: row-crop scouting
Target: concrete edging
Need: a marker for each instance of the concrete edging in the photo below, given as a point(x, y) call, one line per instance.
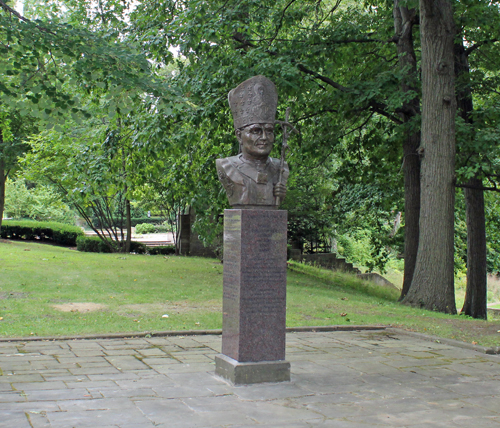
point(149, 334)
point(312, 329)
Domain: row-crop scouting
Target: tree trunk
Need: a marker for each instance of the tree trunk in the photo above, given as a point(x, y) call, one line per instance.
point(475, 293)
point(3, 179)
point(128, 217)
point(404, 20)
point(128, 224)
point(433, 280)
point(412, 208)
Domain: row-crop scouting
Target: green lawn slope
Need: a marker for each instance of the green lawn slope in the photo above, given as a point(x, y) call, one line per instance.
point(47, 290)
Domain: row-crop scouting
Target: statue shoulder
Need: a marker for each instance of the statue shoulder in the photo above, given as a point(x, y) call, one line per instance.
point(226, 163)
point(226, 168)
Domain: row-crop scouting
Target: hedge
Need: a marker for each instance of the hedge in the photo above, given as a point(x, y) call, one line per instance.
point(151, 228)
point(145, 228)
point(94, 244)
point(138, 247)
point(134, 221)
point(164, 250)
point(91, 244)
point(151, 220)
point(52, 231)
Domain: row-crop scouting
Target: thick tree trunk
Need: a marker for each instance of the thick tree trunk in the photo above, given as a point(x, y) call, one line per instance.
point(433, 280)
point(404, 20)
point(475, 293)
point(412, 208)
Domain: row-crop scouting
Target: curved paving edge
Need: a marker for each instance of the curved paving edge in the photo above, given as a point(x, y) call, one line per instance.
point(451, 342)
point(184, 333)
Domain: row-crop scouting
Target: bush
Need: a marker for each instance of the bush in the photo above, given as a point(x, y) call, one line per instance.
point(356, 246)
point(92, 244)
point(162, 250)
point(138, 247)
point(151, 228)
point(150, 220)
point(57, 233)
point(145, 228)
point(161, 228)
point(38, 202)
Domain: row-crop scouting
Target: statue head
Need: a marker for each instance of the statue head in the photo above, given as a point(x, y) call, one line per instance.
point(253, 104)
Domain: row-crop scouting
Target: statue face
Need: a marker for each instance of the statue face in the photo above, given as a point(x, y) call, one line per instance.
point(256, 140)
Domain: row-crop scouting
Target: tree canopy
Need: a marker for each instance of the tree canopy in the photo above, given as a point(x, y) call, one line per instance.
point(135, 99)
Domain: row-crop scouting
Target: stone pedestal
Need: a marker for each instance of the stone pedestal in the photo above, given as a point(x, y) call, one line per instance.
point(254, 303)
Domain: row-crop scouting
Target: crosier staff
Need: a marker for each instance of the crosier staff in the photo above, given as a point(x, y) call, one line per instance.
point(284, 147)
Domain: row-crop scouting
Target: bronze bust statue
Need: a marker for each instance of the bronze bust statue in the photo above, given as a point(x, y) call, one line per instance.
point(251, 178)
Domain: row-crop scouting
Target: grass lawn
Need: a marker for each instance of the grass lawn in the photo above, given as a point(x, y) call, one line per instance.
point(47, 290)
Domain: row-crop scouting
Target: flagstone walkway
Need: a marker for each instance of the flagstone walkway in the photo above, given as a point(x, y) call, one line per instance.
point(341, 379)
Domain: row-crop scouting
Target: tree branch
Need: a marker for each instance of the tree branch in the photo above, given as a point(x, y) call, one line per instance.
point(375, 106)
point(333, 9)
point(372, 104)
point(380, 109)
point(8, 9)
point(329, 42)
point(324, 79)
point(472, 48)
point(468, 186)
point(308, 116)
point(280, 24)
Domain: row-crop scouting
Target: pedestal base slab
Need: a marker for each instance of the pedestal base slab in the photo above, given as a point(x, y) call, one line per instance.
point(254, 372)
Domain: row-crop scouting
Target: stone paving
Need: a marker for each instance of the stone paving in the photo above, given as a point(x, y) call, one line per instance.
point(340, 379)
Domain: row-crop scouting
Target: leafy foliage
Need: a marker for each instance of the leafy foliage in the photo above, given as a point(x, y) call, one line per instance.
point(39, 202)
point(48, 65)
point(145, 228)
point(327, 62)
point(133, 120)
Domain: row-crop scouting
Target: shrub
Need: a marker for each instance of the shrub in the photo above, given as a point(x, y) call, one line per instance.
point(150, 220)
point(161, 228)
point(92, 244)
point(151, 228)
point(138, 247)
point(356, 246)
point(58, 233)
point(39, 202)
point(145, 228)
point(163, 250)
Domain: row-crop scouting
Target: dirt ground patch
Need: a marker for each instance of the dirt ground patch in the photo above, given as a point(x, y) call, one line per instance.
point(180, 307)
point(13, 295)
point(79, 307)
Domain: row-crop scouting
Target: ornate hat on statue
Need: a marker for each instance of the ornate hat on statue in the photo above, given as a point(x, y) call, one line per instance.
point(253, 101)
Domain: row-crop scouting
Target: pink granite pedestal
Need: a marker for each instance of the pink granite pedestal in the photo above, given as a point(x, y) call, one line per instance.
point(254, 302)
